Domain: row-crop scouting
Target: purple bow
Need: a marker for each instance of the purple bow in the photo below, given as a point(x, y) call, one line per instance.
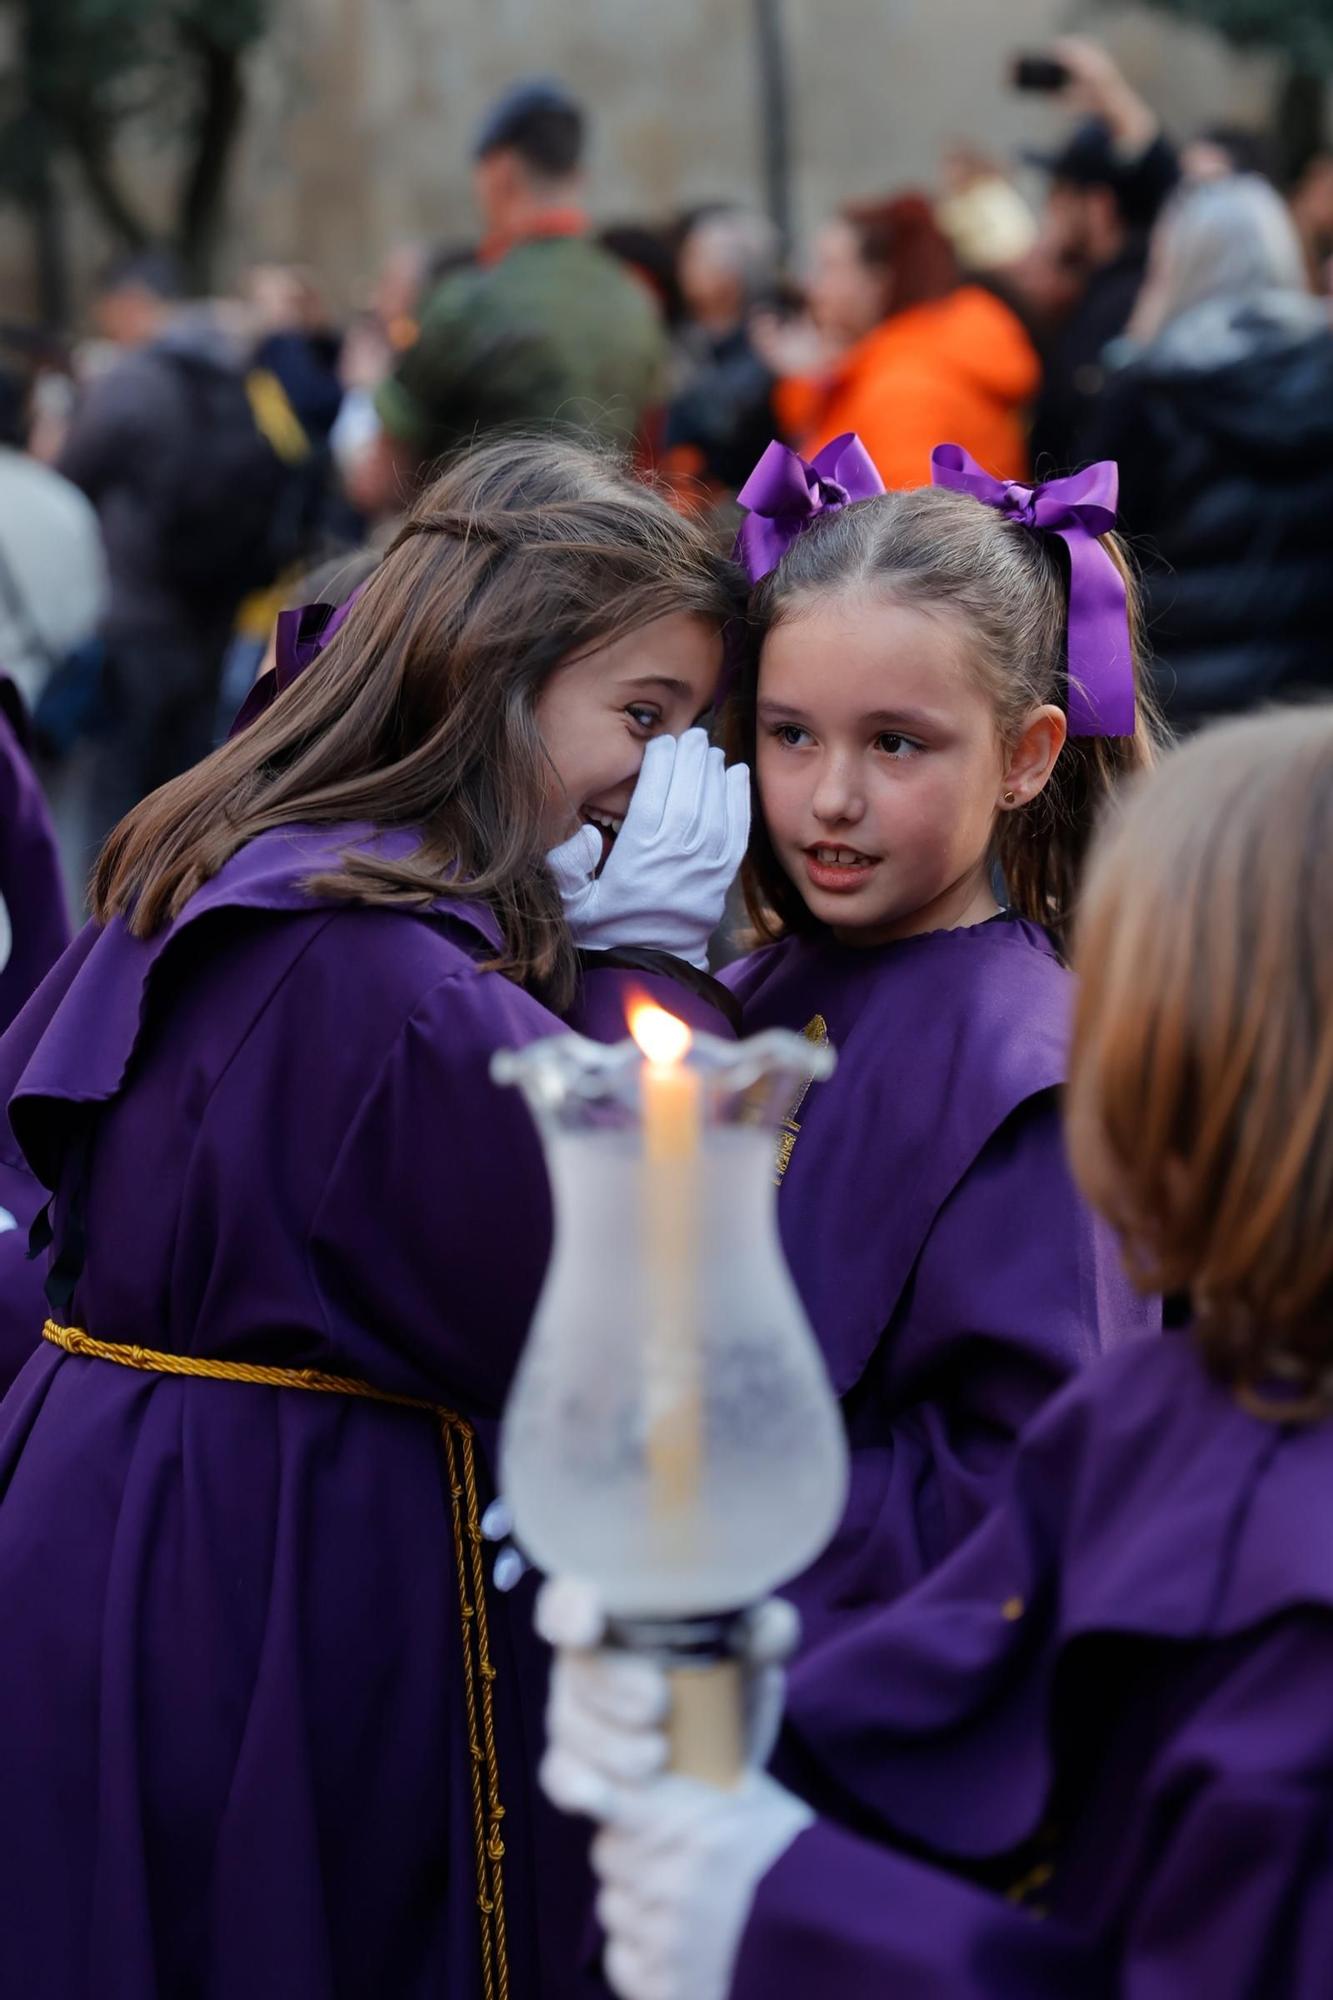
point(300, 638)
point(785, 493)
point(1078, 509)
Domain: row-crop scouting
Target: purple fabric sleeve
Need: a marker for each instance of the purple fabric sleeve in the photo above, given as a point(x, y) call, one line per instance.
point(1003, 1305)
point(1016, 1286)
point(448, 1231)
point(839, 1915)
point(1239, 1906)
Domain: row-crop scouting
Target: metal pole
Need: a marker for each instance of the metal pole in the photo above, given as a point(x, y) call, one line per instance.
point(774, 114)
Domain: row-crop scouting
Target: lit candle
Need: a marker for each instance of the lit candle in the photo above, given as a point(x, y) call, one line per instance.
point(672, 1124)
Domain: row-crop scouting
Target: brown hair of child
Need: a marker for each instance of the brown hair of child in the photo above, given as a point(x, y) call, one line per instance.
point(1200, 1100)
point(421, 712)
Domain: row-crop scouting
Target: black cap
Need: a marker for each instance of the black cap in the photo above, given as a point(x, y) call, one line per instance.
point(537, 118)
point(1089, 158)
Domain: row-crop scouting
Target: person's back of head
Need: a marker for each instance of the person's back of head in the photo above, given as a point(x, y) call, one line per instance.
point(901, 239)
point(874, 259)
point(647, 251)
point(1230, 239)
point(1221, 150)
point(1200, 1101)
point(528, 156)
point(728, 265)
point(136, 294)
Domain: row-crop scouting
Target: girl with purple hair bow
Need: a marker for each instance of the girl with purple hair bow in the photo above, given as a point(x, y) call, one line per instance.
point(942, 694)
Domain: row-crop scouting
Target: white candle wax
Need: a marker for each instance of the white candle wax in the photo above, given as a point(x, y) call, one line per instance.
point(672, 1130)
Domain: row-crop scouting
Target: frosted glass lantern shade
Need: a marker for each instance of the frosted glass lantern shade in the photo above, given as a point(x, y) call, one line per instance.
point(672, 1434)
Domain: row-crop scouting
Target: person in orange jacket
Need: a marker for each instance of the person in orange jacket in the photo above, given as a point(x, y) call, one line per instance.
point(901, 350)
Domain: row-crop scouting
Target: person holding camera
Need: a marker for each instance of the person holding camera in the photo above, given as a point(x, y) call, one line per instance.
point(1108, 182)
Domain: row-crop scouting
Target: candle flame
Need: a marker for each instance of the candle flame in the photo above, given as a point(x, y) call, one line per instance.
point(664, 1040)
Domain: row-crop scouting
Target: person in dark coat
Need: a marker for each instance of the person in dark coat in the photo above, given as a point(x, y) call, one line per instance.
point(168, 447)
point(1222, 423)
point(723, 407)
point(1108, 182)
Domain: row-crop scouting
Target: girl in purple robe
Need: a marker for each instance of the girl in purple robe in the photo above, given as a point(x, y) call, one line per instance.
point(1089, 1758)
point(931, 708)
point(34, 926)
point(34, 930)
point(263, 1727)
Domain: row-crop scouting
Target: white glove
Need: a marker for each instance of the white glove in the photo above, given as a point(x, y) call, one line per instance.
point(608, 1709)
point(677, 1876)
point(666, 878)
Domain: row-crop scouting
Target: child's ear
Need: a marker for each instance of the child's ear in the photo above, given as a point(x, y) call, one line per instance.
point(1032, 757)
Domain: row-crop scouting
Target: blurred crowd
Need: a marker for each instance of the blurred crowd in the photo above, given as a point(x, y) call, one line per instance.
point(170, 481)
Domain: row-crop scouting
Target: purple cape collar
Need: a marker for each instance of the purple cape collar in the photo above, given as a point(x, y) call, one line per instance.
point(94, 1000)
point(984, 1014)
point(300, 638)
point(1144, 1502)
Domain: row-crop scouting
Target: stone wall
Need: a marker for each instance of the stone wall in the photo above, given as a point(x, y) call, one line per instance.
point(363, 109)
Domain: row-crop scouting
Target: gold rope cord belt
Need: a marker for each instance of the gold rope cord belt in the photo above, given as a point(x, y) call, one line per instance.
point(478, 1671)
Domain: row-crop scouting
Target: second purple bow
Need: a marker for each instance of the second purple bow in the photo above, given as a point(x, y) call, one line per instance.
point(1079, 509)
point(302, 634)
point(786, 492)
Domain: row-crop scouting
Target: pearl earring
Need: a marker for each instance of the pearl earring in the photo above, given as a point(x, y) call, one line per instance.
point(1010, 797)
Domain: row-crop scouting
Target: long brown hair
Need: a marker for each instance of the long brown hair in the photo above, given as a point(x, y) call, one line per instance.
point(946, 554)
point(526, 553)
point(900, 238)
point(1200, 1098)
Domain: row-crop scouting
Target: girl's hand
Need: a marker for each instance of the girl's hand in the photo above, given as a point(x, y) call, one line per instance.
point(666, 879)
point(677, 1875)
point(677, 1862)
point(608, 1710)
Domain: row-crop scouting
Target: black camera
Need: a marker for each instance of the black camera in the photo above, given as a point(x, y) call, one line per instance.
point(1042, 73)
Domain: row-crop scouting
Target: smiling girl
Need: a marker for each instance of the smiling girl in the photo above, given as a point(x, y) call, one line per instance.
point(923, 813)
point(263, 1728)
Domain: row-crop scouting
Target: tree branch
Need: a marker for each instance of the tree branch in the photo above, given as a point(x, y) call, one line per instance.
point(203, 190)
point(88, 141)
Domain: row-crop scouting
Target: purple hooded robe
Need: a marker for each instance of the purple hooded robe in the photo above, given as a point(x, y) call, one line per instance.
point(232, 1731)
point(34, 899)
point(1107, 1717)
point(953, 1274)
point(30, 880)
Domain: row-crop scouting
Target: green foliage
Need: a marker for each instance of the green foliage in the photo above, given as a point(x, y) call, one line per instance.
point(1302, 30)
point(88, 70)
point(121, 57)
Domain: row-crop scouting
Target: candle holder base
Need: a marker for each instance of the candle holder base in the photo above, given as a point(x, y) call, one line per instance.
point(702, 1658)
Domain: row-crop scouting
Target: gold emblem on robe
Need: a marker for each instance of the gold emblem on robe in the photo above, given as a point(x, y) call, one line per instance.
point(815, 1031)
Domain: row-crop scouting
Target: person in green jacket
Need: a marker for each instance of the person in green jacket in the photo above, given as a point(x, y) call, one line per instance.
point(545, 326)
